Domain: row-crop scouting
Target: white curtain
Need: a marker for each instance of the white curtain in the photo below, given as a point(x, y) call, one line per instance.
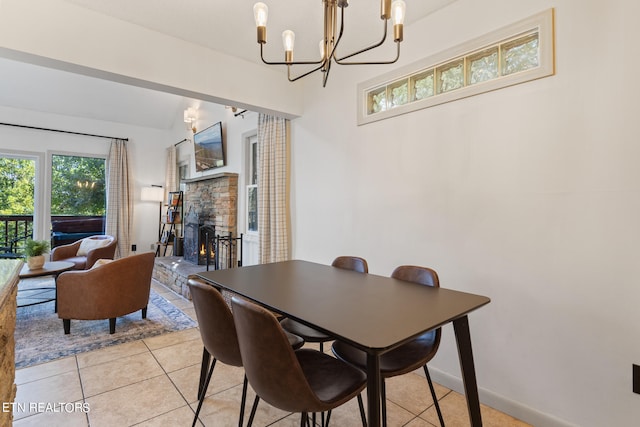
point(273, 189)
point(119, 197)
point(171, 176)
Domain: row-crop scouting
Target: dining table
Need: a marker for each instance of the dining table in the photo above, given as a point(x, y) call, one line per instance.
point(371, 312)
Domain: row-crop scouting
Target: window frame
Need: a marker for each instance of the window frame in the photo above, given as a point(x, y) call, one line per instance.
point(542, 23)
point(52, 154)
point(251, 168)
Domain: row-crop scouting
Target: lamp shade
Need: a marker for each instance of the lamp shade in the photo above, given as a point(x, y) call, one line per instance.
point(152, 194)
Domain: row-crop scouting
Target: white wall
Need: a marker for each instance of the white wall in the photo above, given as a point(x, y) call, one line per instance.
point(236, 129)
point(528, 195)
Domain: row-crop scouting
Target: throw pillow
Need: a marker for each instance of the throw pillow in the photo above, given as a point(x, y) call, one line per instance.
point(89, 244)
point(100, 262)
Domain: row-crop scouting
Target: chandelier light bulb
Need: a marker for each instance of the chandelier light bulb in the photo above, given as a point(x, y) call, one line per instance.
point(260, 13)
point(288, 40)
point(398, 9)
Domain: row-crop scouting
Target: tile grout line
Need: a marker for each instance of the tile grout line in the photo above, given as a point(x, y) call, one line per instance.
point(84, 398)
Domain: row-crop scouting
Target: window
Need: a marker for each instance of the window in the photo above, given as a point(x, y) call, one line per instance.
point(252, 186)
point(515, 54)
point(17, 186)
point(183, 175)
point(77, 186)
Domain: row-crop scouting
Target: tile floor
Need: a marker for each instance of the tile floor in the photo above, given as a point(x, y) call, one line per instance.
point(153, 382)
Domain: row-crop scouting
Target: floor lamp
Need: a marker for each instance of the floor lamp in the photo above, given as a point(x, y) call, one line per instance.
point(154, 193)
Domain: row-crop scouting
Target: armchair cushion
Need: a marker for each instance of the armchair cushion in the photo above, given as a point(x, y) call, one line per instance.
point(91, 243)
point(101, 262)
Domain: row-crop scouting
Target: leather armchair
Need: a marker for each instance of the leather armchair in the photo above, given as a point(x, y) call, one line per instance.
point(83, 262)
point(106, 291)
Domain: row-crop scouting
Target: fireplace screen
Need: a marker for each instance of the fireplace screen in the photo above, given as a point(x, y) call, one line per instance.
point(203, 246)
point(199, 244)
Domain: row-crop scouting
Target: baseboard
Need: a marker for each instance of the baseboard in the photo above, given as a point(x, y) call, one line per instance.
point(501, 403)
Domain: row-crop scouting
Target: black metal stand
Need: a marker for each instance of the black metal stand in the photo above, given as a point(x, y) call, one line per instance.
point(227, 251)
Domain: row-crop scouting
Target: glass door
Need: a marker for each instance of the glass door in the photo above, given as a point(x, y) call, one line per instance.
point(17, 187)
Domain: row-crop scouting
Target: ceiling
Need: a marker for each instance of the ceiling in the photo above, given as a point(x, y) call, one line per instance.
point(225, 26)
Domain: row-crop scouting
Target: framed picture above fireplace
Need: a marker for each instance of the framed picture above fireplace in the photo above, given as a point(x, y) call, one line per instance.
point(209, 148)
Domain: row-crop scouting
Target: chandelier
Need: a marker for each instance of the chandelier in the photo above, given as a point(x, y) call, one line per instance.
point(332, 36)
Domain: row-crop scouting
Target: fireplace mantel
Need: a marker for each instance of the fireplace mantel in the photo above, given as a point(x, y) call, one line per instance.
point(212, 176)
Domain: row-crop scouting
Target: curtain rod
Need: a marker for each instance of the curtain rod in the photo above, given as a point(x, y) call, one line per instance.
point(178, 143)
point(62, 131)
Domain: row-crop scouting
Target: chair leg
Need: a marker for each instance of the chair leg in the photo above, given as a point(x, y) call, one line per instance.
point(304, 419)
point(144, 312)
point(433, 395)
point(328, 417)
point(383, 403)
point(204, 368)
point(112, 325)
point(362, 413)
point(253, 410)
point(204, 392)
point(243, 401)
point(66, 324)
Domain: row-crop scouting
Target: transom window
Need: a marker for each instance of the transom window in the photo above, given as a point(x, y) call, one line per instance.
point(515, 54)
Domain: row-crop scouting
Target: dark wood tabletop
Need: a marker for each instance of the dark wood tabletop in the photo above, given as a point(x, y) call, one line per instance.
point(374, 313)
point(50, 268)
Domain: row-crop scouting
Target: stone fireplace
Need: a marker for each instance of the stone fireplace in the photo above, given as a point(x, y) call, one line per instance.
point(212, 202)
point(215, 199)
point(211, 210)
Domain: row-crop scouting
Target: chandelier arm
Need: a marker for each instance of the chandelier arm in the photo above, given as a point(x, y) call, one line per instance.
point(375, 62)
point(332, 54)
point(378, 44)
point(288, 63)
point(325, 77)
point(302, 75)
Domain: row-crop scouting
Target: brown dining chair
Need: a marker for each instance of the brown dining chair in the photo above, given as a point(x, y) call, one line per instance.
point(304, 381)
point(312, 335)
point(408, 357)
point(218, 333)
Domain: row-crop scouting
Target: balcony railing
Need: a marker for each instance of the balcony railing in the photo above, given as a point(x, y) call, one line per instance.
point(15, 229)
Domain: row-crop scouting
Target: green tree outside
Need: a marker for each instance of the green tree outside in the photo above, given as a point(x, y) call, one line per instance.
point(77, 185)
point(17, 177)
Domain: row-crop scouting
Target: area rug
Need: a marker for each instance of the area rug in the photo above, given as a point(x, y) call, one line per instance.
point(40, 337)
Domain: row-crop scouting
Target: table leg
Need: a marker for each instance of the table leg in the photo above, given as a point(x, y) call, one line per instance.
point(373, 390)
point(463, 339)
